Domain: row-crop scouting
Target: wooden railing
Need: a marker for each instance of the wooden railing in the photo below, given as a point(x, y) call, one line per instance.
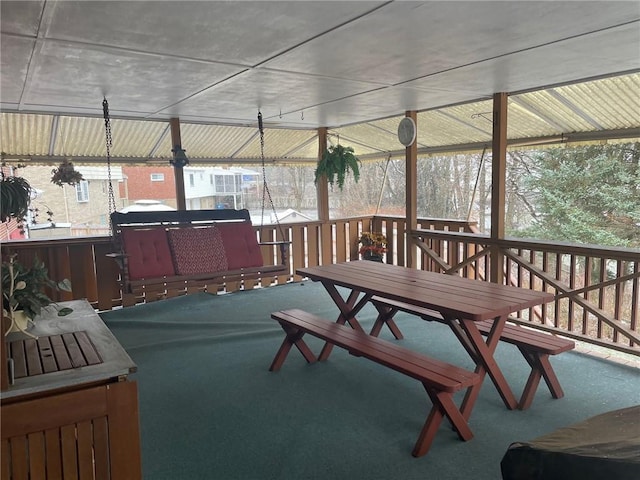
point(597, 289)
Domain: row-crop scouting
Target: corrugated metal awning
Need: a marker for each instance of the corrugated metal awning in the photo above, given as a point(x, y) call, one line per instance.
point(597, 110)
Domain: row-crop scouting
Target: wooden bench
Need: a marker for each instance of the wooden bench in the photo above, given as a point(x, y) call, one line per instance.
point(536, 346)
point(171, 253)
point(439, 379)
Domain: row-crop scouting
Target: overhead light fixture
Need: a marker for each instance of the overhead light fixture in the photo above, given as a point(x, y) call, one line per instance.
point(179, 157)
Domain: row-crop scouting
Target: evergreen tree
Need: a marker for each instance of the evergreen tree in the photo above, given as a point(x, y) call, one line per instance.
point(588, 194)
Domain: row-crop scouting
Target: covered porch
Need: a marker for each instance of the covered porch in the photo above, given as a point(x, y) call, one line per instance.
point(321, 72)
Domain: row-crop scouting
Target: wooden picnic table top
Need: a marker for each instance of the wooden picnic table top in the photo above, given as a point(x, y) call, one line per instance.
point(448, 294)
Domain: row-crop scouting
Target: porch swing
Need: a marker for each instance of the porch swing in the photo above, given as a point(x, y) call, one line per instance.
point(163, 254)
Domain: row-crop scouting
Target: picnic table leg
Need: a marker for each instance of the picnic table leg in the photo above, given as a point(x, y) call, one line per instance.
point(348, 310)
point(482, 353)
point(385, 315)
point(293, 337)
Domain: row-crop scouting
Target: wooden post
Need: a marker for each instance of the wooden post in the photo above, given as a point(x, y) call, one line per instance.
point(498, 179)
point(4, 371)
point(178, 170)
point(411, 160)
point(322, 188)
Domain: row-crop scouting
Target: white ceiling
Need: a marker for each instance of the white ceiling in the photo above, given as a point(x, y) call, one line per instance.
point(303, 64)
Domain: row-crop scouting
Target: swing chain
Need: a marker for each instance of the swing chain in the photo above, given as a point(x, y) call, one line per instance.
point(265, 187)
point(109, 142)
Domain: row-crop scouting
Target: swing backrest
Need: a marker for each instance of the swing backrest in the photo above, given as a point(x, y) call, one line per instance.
point(167, 243)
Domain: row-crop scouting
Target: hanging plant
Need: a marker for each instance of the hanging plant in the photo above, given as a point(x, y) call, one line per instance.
point(15, 197)
point(335, 165)
point(66, 173)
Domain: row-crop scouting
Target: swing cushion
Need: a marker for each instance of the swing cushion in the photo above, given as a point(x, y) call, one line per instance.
point(197, 250)
point(148, 253)
point(241, 244)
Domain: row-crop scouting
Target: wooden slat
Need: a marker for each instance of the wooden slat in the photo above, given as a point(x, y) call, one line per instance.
point(83, 275)
point(54, 455)
point(69, 452)
point(5, 465)
point(101, 447)
point(85, 450)
point(60, 352)
point(33, 357)
point(88, 350)
point(124, 430)
point(37, 460)
point(46, 355)
point(16, 351)
point(53, 411)
point(19, 458)
point(77, 359)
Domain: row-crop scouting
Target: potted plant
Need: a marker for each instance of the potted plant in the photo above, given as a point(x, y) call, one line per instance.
point(374, 246)
point(65, 173)
point(15, 196)
point(335, 165)
point(23, 296)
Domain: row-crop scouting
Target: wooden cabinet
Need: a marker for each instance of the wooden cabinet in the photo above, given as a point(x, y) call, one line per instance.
point(71, 411)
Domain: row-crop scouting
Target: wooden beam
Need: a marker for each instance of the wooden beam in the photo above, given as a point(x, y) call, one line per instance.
point(322, 188)
point(411, 160)
point(4, 366)
point(178, 170)
point(498, 181)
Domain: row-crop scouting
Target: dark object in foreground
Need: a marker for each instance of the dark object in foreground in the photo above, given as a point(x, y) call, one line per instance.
point(604, 446)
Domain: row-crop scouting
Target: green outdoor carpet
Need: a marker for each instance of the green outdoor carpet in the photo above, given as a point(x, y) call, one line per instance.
point(210, 409)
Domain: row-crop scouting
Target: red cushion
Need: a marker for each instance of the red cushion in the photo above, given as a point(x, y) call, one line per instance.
point(148, 254)
point(197, 250)
point(241, 244)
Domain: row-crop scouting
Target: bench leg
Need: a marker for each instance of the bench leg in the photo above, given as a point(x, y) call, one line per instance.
point(294, 337)
point(443, 405)
point(540, 367)
point(385, 315)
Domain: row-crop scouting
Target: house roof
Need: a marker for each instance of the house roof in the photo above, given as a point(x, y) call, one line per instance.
point(571, 69)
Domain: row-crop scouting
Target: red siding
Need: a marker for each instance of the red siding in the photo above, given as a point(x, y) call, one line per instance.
point(138, 184)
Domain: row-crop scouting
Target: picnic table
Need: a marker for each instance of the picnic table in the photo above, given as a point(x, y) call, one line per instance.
point(462, 303)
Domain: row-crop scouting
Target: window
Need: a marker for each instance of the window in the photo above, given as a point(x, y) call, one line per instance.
point(82, 191)
point(157, 177)
point(192, 180)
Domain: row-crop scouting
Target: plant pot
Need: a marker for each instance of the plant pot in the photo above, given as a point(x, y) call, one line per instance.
point(373, 257)
point(20, 322)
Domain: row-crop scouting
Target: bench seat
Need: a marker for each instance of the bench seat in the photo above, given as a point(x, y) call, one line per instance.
point(534, 345)
point(440, 379)
point(168, 253)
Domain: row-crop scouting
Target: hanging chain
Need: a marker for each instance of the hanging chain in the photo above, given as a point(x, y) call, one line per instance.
point(108, 139)
point(265, 187)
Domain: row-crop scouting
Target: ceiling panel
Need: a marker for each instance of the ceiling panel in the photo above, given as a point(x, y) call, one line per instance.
point(354, 67)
